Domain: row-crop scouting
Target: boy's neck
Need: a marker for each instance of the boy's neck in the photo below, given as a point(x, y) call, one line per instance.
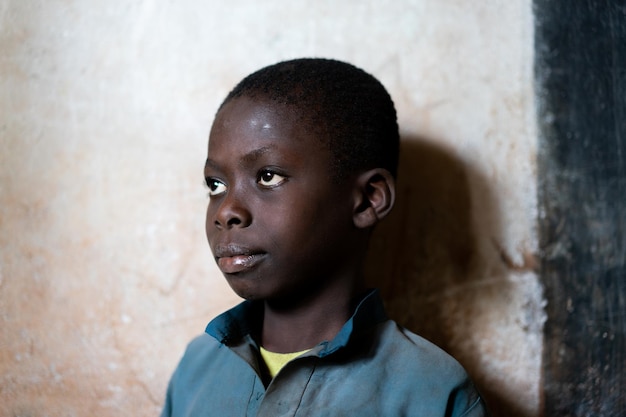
point(304, 326)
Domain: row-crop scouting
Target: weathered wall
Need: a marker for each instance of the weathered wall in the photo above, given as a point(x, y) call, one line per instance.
point(105, 108)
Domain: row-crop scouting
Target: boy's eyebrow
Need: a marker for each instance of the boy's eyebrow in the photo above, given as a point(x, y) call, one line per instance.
point(248, 158)
point(252, 156)
point(210, 164)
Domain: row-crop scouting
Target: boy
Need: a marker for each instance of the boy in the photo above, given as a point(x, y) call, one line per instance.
point(301, 165)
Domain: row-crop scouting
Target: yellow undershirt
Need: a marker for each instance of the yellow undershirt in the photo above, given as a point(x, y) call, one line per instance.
point(276, 361)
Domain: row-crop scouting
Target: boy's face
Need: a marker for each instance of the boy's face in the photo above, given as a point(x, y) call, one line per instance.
point(278, 225)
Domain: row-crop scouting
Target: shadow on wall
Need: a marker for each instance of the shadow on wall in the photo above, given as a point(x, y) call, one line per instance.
point(426, 260)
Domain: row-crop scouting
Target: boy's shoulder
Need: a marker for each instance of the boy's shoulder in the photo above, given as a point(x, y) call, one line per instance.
point(410, 354)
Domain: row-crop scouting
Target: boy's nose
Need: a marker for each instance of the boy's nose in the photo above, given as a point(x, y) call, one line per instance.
point(231, 213)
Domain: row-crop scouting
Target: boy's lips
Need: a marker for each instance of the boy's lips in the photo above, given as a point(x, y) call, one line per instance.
point(232, 259)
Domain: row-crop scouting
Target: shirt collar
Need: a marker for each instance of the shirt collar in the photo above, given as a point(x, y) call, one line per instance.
point(245, 319)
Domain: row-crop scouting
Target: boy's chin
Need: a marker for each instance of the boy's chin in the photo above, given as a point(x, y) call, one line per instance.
point(246, 292)
point(282, 297)
point(256, 294)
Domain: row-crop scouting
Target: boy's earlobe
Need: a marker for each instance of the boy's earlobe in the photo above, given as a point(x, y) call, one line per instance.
point(375, 198)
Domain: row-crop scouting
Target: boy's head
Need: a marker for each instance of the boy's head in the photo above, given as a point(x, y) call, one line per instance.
point(299, 170)
point(349, 110)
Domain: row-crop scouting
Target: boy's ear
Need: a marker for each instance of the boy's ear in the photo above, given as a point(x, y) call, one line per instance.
point(375, 196)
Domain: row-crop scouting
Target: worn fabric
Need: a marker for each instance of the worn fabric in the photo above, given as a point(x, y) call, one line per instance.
point(372, 367)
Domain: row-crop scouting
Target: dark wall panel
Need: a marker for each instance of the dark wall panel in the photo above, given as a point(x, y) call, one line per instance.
point(581, 87)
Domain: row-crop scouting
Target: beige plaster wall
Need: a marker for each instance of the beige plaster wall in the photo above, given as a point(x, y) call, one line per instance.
point(105, 108)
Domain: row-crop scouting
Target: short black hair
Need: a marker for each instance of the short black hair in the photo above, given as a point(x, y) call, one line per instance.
point(348, 108)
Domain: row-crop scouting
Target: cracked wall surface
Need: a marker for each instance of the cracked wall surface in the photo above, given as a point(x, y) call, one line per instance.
point(105, 107)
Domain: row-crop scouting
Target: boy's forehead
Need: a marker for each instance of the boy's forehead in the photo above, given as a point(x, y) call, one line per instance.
point(247, 133)
point(263, 120)
point(239, 113)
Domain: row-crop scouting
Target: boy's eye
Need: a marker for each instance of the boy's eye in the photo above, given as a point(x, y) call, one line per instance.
point(216, 187)
point(269, 178)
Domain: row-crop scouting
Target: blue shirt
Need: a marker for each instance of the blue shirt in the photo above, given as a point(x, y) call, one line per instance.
point(372, 367)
